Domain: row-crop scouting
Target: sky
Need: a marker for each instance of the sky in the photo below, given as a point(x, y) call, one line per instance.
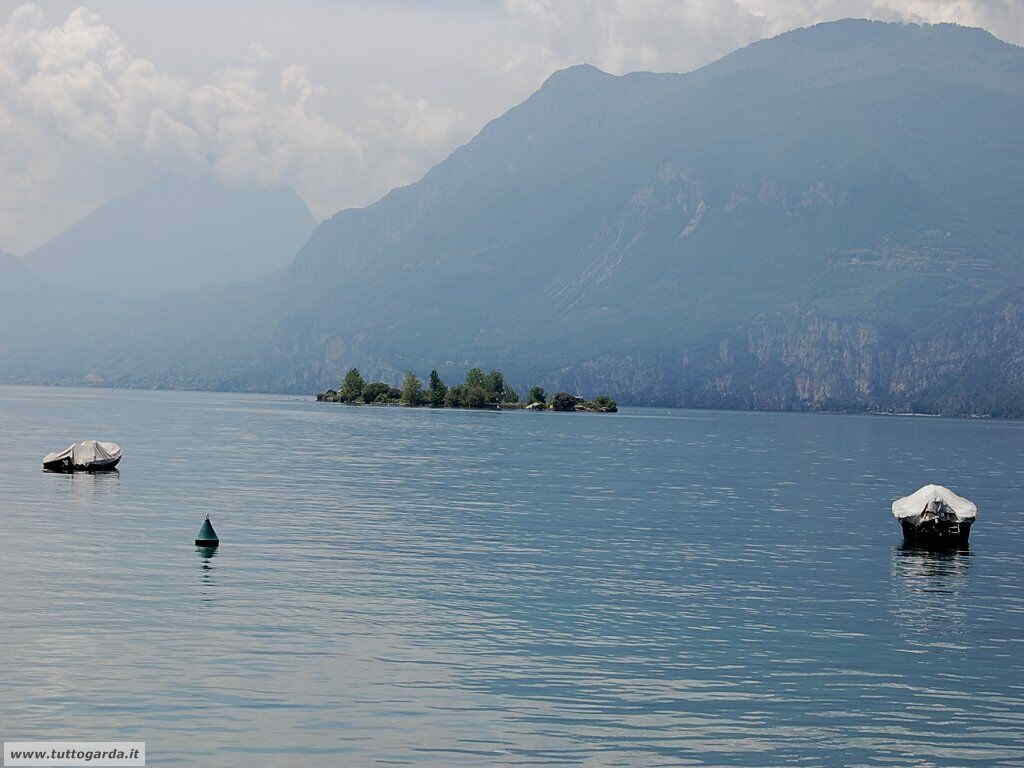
point(341, 100)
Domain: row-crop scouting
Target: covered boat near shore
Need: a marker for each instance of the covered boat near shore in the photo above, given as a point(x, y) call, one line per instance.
point(84, 456)
point(935, 515)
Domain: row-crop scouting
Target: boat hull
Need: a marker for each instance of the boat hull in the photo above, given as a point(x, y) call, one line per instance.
point(935, 532)
point(65, 465)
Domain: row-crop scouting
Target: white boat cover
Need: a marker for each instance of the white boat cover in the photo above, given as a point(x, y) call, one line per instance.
point(915, 503)
point(86, 452)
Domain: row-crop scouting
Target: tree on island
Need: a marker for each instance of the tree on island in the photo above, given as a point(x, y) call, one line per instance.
point(563, 401)
point(455, 397)
point(412, 390)
point(437, 391)
point(475, 377)
point(536, 395)
point(352, 387)
point(376, 391)
point(475, 397)
point(494, 383)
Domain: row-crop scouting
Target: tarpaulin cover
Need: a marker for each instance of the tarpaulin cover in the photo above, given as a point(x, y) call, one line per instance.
point(86, 452)
point(915, 503)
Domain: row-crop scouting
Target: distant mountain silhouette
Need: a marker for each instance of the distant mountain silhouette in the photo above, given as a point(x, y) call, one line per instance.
point(177, 233)
point(15, 277)
point(832, 218)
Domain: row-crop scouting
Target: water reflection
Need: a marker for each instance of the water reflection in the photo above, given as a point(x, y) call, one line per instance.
point(87, 485)
point(207, 582)
point(929, 593)
point(942, 570)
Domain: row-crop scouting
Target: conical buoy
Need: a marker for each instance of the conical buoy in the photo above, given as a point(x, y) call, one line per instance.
point(207, 536)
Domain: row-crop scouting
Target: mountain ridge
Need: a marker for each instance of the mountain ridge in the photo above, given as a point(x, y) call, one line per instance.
point(881, 176)
point(761, 232)
point(177, 232)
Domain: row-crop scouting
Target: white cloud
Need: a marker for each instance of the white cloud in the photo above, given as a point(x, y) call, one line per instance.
point(679, 35)
point(82, 117)
point(628, 35)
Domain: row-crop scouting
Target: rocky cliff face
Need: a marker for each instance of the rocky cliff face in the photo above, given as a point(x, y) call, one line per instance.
point(971, 365)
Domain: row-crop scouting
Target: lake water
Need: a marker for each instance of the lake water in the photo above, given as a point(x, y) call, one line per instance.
point(450, 588)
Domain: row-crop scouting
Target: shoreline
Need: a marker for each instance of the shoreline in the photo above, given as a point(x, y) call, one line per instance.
point(583, 406)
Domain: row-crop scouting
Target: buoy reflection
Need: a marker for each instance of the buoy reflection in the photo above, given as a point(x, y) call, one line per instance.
point(207, 581)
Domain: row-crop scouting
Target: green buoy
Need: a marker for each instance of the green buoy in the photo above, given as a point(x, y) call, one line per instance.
point(207, 536)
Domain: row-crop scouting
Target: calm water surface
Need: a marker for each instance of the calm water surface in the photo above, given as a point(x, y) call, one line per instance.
point(394, 586)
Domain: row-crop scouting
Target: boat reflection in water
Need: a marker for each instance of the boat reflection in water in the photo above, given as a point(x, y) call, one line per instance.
point(87, 486)
point(930, 593)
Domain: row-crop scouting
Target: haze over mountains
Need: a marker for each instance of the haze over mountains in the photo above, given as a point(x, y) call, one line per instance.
point(177, 233)
point(828, 219)
point(14, 275)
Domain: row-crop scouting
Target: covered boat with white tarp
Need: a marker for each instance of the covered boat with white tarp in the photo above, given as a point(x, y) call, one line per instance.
point(934, 514)
point(85, 456)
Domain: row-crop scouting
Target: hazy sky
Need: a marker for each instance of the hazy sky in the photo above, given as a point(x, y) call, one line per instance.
point(342, 100)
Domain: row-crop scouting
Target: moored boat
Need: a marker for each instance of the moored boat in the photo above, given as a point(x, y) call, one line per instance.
point(935, 515)
point(84, 456)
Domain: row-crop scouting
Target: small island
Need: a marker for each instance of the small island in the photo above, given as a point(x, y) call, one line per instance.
point(479, 390)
